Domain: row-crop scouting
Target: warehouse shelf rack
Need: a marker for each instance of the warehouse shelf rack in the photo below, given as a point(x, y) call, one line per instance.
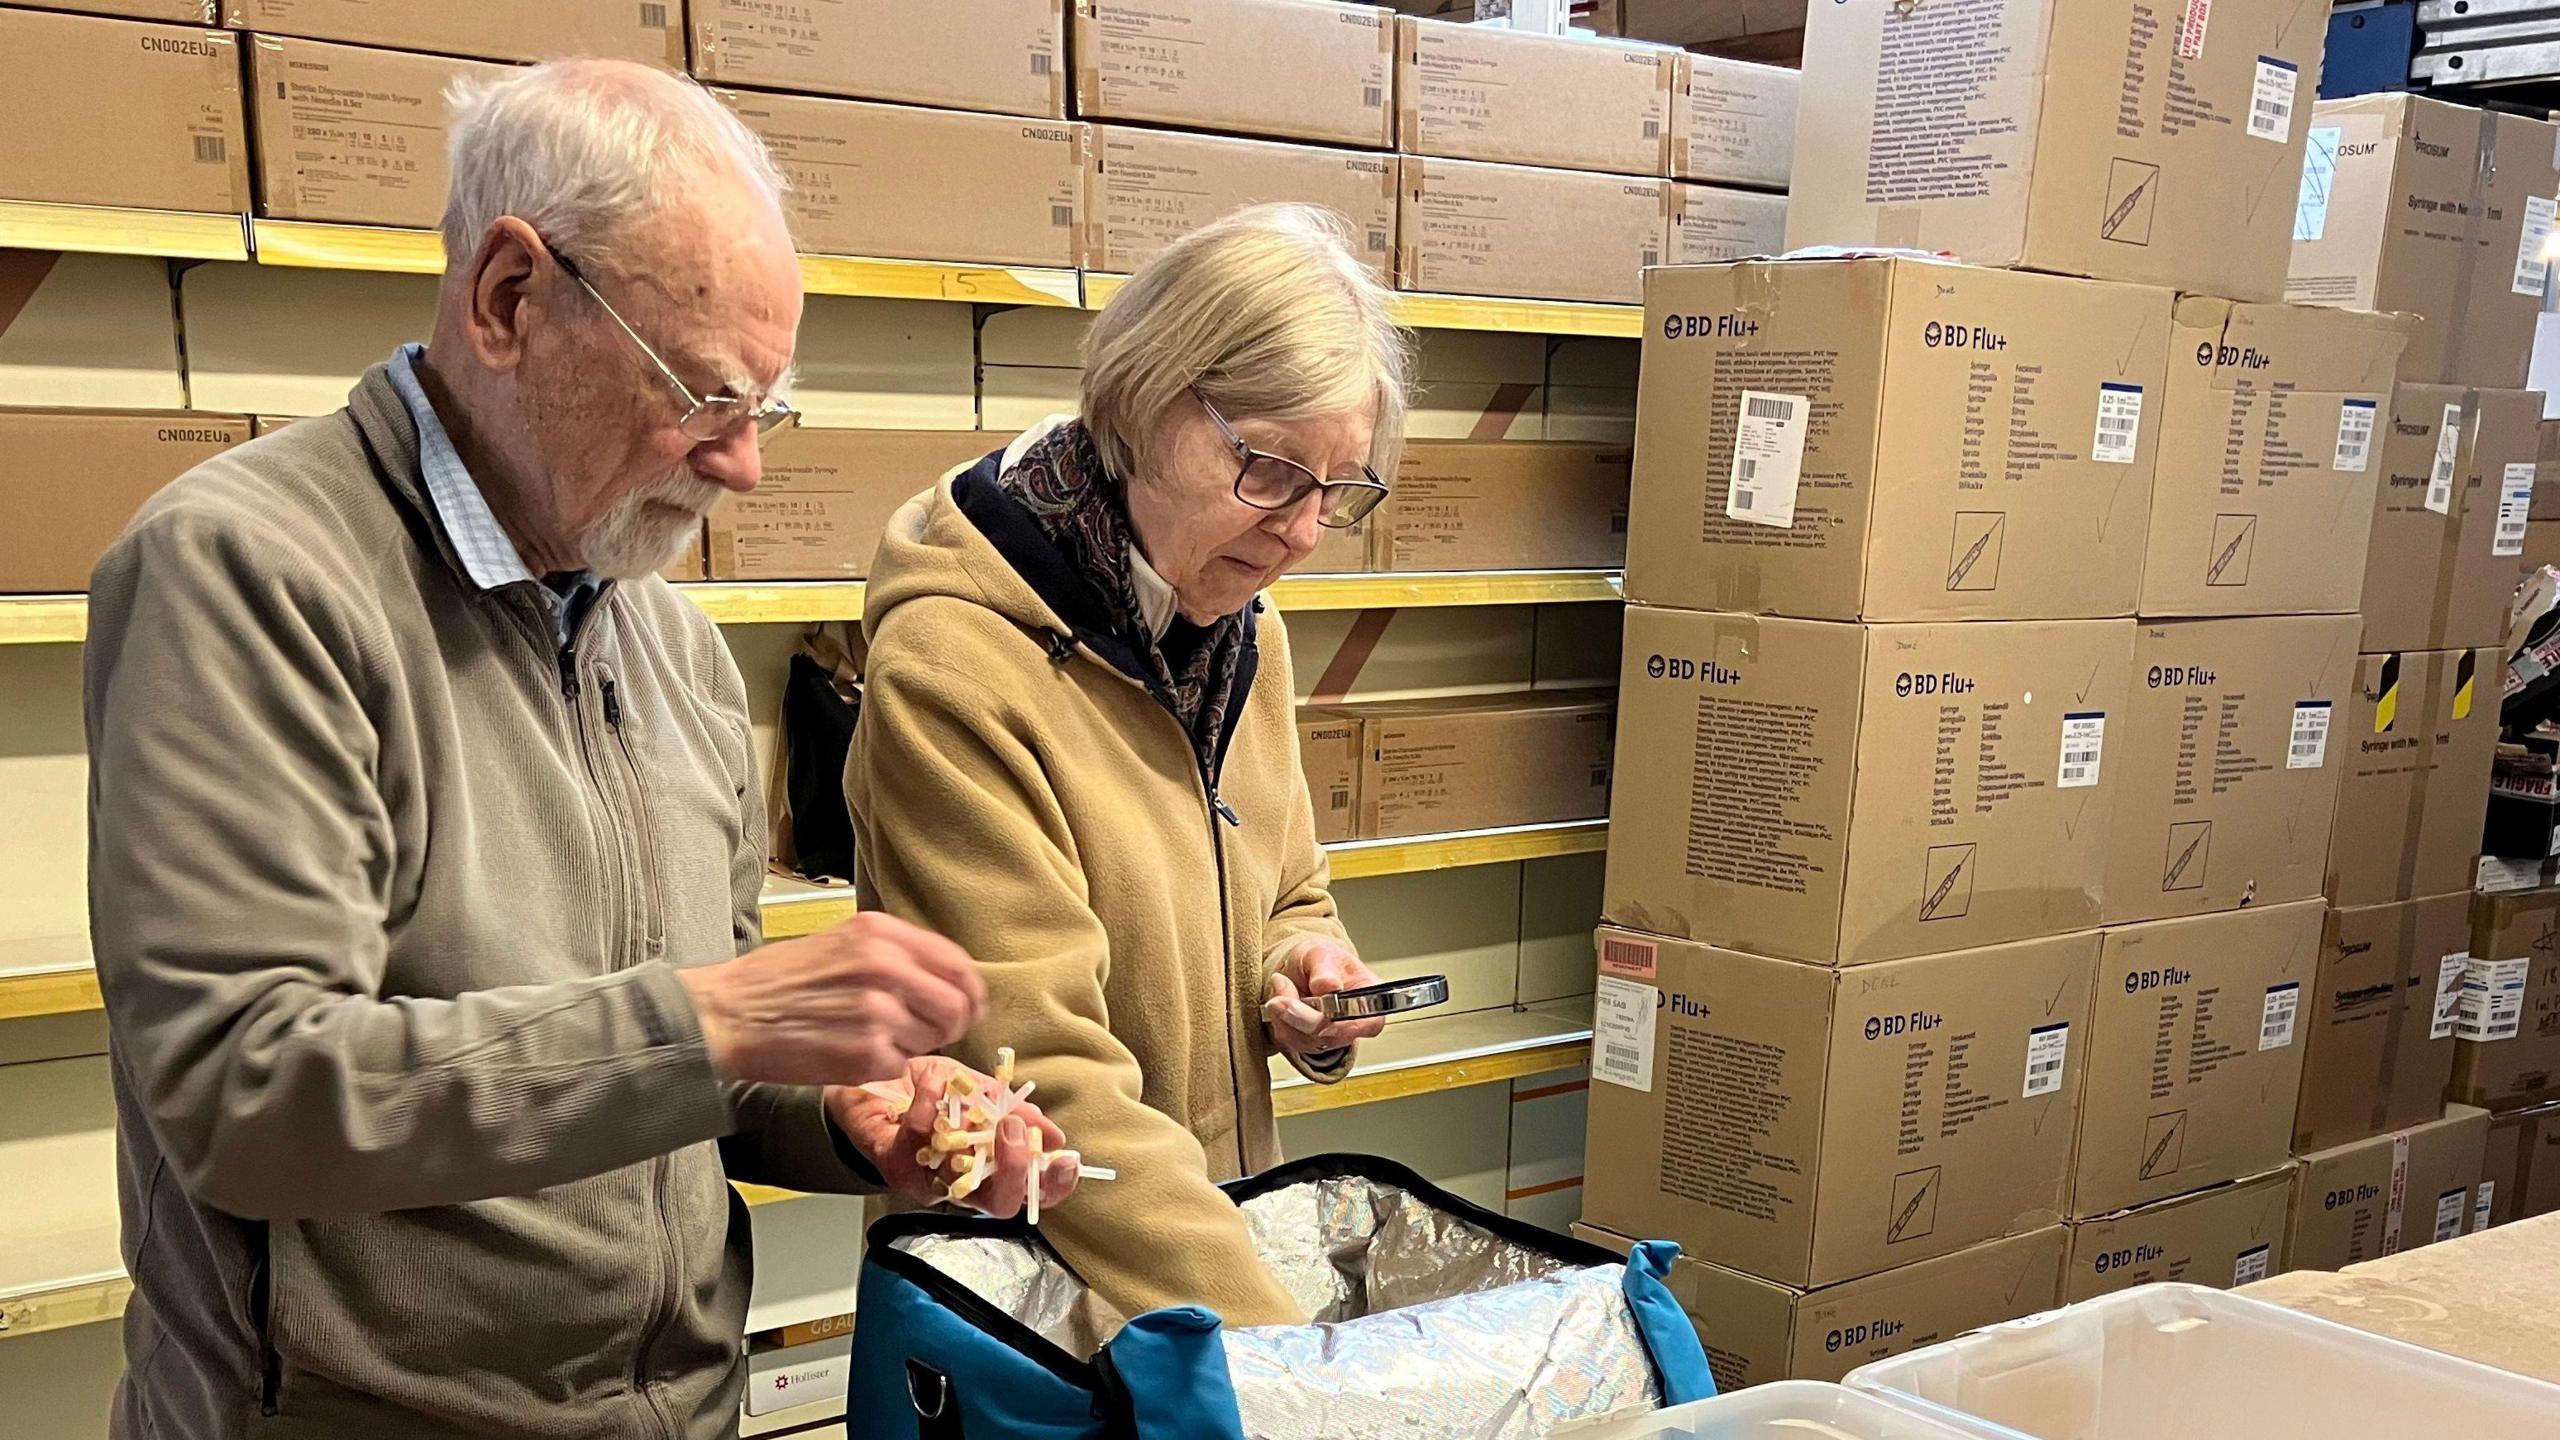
point(61, 1304)
point(64, 619)
point(101, 230)
point(1464, 312)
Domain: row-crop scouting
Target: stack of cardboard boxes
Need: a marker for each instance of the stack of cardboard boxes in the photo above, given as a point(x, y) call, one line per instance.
point(1991, 693)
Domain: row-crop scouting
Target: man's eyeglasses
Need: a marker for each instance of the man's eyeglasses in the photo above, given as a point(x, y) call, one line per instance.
point(1273, 482)
point(707, 418)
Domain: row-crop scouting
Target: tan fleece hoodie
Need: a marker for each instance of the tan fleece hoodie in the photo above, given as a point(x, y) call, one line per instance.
point(1017, 790)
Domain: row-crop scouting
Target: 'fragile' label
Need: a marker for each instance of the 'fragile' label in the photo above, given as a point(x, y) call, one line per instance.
point(1768, 459)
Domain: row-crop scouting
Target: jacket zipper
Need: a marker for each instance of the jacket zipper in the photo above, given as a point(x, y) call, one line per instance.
point(652, 895)
point(263, 1318)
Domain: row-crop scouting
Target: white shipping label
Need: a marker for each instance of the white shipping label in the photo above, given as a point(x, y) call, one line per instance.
point(2449, 972)
point(2275, 1019)
point(2249, 1267)
point(2119, 423)
point(2309, 749)
point(2084, 745)
point(2396, 1195)
point(2498, 874)
point(1768, 459)
point(2533, 261)
point(2440, 479)
point(2319, 178)
point(2449, 1211)
point(2271, 101)
point(2355, 436)
point(1622, 1020)
point(2482, 1203)
point(2515, 502)
point(2048, 1046)
point(2191, 31)
point(2492, 1000)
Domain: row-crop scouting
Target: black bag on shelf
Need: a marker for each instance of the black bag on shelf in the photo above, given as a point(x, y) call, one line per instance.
point(812, 829)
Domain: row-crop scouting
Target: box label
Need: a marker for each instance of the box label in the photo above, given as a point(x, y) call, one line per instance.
point(2440, 479)
point(2515, 502)
point(2309, 749)
point(2533, 266)
point(2271, 101)
point(2048, 1046)
point(2249, 1267)
point(2191, 31)
point(2449, 1208)
point(2480, 1206)
point(2119, 423)
point(2084, 743)
point(2275, 1018)
point(2355, 437)
point(1622, 1020)
point(2499, 874)
point(1768, 459)
point(2492, 1000)
point(1628, 958)
point(2319, 177)
point(2449, 973)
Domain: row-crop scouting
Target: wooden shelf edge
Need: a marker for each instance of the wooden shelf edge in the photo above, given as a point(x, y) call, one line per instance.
point(1431, 1079)
point(87, 1301)
point(1426, 311)
point(67, 991)
point(44, 619)
point(1364, 859)
point(112, 230)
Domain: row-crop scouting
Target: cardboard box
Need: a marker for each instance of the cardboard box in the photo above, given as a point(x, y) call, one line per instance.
point(2265, 498)
point(52, 533)
point(1329, 751)
point(350, 135)
point(2439, 210)
point(1505, 505)
point(2507, 1032)
point(2227, 771)
point(88, 330)
point(1466, 92)
point(650, 31)
point(1700, 22)
point(2108, 139)
point(111, 112)
point(1346, 551)
point(1849, 793)
point(2378, 1024)
point(1478, 385)
point(2520, 1173)
point(1733, 122)
point(1474, 762)
point(2195, 1054)
point(1145, 189)
point(1926, 441)
point(1591, 388)
point(2541, 546)
point(1757, 1331)
point(173, 12)
point(2423, 728)
point(2449, 519)
point(2226, 1237)
point(1710, 224)
point(827, 495)
point(1467, 228)
point(2391, 1193)
point(2546, 488)
point(684, 569)
point(1007, 56)
point(1281, 68)
point(912, 184)
point(1810, 1125)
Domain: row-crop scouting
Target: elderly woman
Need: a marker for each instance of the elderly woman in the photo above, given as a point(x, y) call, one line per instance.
point(1077, 756)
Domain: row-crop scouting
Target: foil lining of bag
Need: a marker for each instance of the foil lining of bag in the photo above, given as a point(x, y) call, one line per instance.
point(1424, 1325)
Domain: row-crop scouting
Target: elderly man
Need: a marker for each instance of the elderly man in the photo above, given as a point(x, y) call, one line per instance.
point(426, 839)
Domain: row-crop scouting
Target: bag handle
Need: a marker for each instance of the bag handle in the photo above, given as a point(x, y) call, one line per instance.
point(937, 1409)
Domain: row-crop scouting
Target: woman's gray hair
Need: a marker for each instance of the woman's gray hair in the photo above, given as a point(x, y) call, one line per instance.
point(586, 150)
point(1268, 314)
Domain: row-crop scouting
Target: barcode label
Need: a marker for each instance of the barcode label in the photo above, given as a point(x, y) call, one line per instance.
point(1043, 63)
point(212, 150)
point(1622, 1019)
point(2449, 1208)
point(1630, 959)
point(2515, 503)
point(1378, 240)
point(1374, 96)
point(2275, 1020)
point(1768, 459)
point(2309, 748)
point(2440, 479)
point(2191, 32)
point(2498, 874)
point(1338, 800)
point(2492, 1000)
point(2271, 101)
point(1063, 216)
point(2047, 1047)
point(2355, 437)
point(2084, 742)
point(1653, 129)
point(2533, 263)
point(2449, 973)
point(2483, 1203)
point(653, 17)
point(2119, 424)
point(2249, 1267)
point(1649, 258)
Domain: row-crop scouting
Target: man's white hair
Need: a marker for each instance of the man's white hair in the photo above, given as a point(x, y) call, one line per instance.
point(586, 150)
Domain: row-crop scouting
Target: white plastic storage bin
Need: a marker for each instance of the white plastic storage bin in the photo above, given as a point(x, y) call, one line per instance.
point(2179, 1362)
point(1787, 1410)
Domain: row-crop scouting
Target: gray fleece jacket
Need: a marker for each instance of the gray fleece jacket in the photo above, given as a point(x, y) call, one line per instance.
point(418, 1136)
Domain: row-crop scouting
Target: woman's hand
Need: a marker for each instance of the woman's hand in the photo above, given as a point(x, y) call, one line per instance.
point(892, 1131)
point(1318, 967)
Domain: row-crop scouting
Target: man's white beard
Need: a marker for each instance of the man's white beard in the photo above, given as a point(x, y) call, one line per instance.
point(635, 538)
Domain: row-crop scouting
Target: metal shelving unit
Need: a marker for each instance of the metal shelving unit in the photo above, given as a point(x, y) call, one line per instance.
point(1464, 312)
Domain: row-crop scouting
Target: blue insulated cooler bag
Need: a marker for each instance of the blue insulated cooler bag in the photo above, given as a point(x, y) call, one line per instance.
point(1435, 1319)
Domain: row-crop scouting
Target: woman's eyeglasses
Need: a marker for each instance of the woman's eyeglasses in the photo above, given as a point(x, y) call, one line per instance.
point(1272, 482)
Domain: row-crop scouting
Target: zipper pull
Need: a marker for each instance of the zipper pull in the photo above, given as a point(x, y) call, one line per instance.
point(1225, 811)
point(612, 704)
point(569, 673)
